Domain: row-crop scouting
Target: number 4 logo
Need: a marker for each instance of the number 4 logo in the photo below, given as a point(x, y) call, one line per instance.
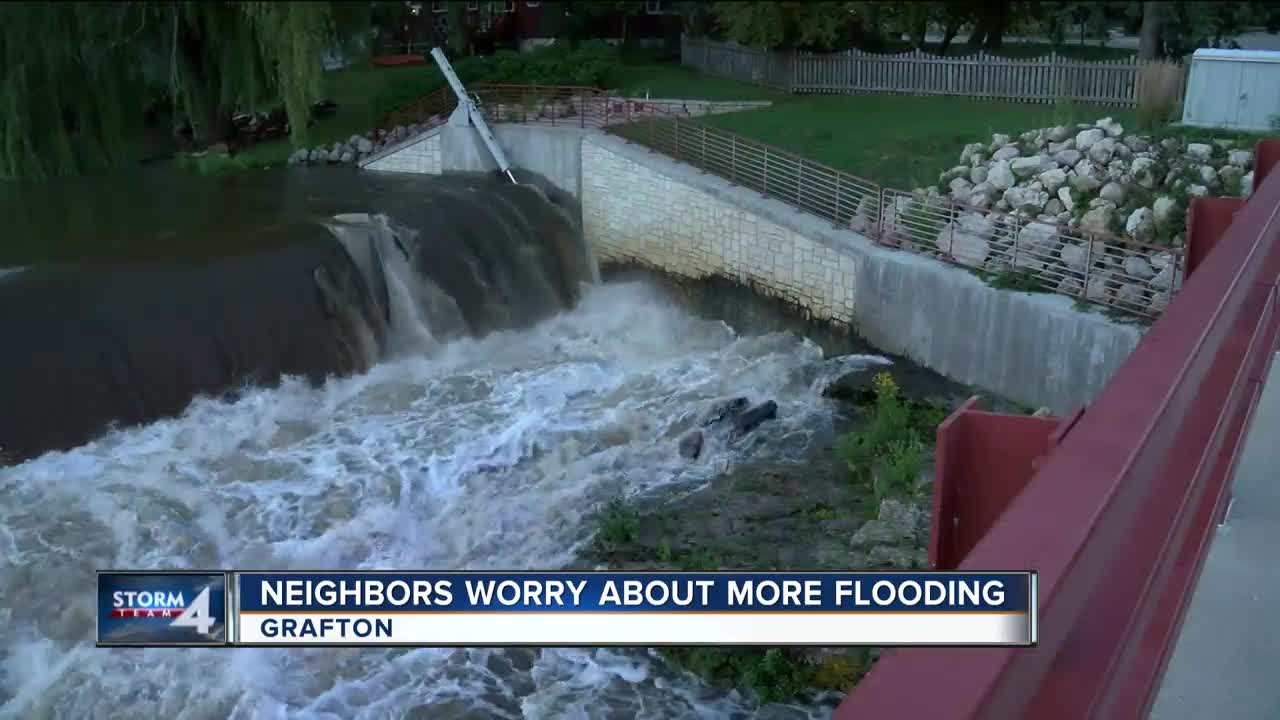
point(197, 615)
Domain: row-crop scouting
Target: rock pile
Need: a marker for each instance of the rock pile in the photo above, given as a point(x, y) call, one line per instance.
point(1088, 210)
point(358, 147)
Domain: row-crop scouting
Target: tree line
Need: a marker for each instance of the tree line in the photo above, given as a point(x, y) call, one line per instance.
point(1166, 29)
point(79, 80)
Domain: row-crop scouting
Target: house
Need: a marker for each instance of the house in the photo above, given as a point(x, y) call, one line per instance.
point(524, 25)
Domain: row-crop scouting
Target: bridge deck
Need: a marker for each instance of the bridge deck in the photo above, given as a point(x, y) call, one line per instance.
point(1224, 664)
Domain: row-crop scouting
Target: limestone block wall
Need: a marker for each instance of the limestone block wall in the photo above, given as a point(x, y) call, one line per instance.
point(632, 214)
point(1037, 349)
point(421, 155)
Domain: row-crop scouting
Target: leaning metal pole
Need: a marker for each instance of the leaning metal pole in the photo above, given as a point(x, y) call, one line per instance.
point(473, 113)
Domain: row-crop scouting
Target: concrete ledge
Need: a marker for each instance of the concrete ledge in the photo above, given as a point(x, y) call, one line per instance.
point(1036, 349)
point(402, 145)
point(553, 152)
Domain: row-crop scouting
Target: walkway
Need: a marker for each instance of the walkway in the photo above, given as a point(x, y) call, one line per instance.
point(1227, 660)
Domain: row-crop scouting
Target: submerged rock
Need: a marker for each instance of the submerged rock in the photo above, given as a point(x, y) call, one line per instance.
point(751, 419)
point(725, 409)
point(691, 445)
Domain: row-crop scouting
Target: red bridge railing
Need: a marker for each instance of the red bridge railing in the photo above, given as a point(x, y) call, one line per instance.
point(1115, 506)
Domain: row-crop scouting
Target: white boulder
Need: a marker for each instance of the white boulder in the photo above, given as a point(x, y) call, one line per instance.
point(1110, 127)
point(1035, 245)
point(1068, 203)
point(1086, 138)
point(1199, 151)
point(1001, 176)
point(1053, 179)
point(1240, 158)
point(1006, 153)
point(1141, 224)
point(1162, 210)
point(1112, 192)
point(1028, 166)
point(1099, 219)
point(1027, 199)
point(978, 174)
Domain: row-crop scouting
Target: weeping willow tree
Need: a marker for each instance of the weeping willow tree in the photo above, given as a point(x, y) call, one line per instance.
point(76, 78)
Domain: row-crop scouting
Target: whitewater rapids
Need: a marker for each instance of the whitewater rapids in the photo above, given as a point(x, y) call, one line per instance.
point(492, 453)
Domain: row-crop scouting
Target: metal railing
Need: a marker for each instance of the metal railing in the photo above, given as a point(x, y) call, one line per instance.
point(1017, 252)
point(1030, 254)
point(1119, 509)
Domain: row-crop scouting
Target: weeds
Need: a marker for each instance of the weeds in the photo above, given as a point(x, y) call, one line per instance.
point(619, 526)
point(890, 450)
point(773, 674)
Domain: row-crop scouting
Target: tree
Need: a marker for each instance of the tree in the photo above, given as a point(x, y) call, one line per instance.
point(77, 76)
point(1149, 35)
point(811, 25)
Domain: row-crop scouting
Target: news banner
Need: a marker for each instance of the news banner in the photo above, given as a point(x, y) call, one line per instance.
point(442, 609)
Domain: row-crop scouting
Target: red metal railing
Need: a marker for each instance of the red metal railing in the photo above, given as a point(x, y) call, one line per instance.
point(1114, 506)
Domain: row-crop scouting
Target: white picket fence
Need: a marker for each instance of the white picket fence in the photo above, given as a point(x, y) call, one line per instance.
point(1047, 79)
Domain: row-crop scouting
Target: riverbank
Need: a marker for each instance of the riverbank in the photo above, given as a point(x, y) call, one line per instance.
point(855, 494)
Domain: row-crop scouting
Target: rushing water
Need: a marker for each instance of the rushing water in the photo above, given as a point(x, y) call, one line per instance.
point(482, 453)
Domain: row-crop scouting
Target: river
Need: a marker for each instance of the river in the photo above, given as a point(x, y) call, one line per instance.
point(492, 452)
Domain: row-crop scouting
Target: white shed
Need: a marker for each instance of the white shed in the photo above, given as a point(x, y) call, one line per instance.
point(1235, 89)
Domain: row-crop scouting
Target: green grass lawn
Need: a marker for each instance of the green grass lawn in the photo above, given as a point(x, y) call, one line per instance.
point(670, 80)
point(897, 141)
point(363, 95)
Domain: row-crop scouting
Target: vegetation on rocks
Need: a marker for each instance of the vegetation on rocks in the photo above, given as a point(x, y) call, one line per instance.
point(859, 503)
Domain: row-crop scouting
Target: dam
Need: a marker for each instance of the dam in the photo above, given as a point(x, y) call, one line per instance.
point(319, 369)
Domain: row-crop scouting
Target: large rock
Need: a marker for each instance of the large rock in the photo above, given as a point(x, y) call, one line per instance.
point(1028, 166)
point(751, 419)
point(1053, 179)
point(1099, 287)
point(1075, 256)
point(1199, 151)
point(1138, 268)
point(1110, 127)
point(1207, 174)
point(1162, 210)
point(299, 156)
point(1136, 143)
point(1142, 171)
point(1068, 203)
point(1027, 199)
point(1068, 157)
point(364, 145)
point(318, 155)
point(1101, 151)
point(1098, 220)
point(1059, 133)
point(1087, 176)
point(1036, 244)
point(964, 248)
point(998, 141)
point(1141, 224)
point(691, 445)
point(960, 188)
point(1001, 176)
point(978, 175)
point(1112, 192)
point(1086, 138)
point(981, 194)
point(1005, 153)
point(967, 153)
point(1241, 158)
point(733, 407)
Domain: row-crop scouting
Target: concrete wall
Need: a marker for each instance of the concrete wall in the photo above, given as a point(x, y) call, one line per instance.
point(1036, 349)
point(553, 152)
point(417, 155)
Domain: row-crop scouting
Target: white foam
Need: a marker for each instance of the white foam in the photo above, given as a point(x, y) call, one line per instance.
point(493, 453)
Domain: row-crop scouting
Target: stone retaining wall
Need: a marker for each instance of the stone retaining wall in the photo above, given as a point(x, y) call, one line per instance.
point(639, 206)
